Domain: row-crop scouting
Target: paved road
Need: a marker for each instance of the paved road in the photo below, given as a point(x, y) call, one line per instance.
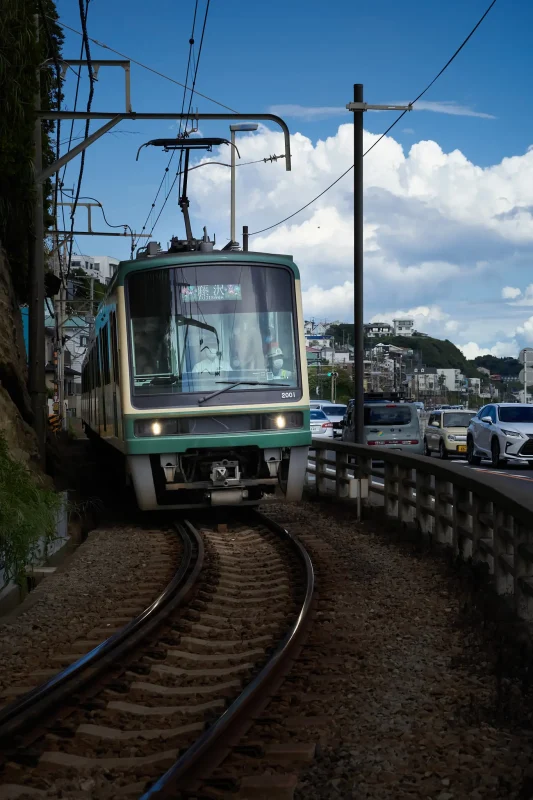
point(509, 475)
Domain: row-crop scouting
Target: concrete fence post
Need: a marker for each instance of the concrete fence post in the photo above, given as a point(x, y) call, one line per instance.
point(503, 549)
point(423, 499)
point(462, 524)
point(523, 571)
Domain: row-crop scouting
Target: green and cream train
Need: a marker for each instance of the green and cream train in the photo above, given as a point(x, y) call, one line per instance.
point(196, 372)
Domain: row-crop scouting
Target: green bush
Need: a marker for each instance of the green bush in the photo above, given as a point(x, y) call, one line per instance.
point(27, 513)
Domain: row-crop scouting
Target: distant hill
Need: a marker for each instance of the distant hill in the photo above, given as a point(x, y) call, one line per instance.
point(434, 352)
point(500, 366)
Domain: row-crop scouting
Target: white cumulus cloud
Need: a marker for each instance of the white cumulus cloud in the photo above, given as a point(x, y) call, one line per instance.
point(439, 230)
point(472, 350)
point(510, 293)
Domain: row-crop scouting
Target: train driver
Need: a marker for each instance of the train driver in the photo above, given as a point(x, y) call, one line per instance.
point(275, 364)
point(212, 362)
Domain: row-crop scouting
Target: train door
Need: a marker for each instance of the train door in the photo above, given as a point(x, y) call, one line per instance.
point(114, 363)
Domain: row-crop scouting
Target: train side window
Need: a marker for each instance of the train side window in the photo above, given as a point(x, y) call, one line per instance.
point(105, 356)
point(114, 347)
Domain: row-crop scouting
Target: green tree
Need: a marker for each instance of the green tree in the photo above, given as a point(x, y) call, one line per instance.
point(21, 57)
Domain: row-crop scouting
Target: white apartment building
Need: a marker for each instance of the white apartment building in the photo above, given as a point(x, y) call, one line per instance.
point(455, 381)
point(403, 327)
point(376, 329)
point(102, 268)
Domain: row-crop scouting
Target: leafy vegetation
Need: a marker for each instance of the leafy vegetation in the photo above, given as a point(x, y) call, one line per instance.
point(21, 57)
point(506, 367)
point(27, 513)
point(320, 378)
point(80, 293)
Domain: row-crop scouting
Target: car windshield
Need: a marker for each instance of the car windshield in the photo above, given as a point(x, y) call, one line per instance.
point(516, 413)
point(387, 415)
point(192, 327)
point(334, 411)
point(317, 414)
point(459, 419)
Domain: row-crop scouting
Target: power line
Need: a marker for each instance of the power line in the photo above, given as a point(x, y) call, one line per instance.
point(217, 163)
point(396, 121)
point(179, 172)
point(191, 45)
point(150, 69)
point(84, 8)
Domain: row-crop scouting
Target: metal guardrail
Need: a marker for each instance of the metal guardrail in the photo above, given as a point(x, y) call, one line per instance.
point(470, 512)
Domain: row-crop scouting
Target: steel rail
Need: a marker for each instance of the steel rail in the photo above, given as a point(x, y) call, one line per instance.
point(213, 746)
point(20, 715)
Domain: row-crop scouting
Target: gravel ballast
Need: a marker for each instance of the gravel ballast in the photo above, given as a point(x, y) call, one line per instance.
point(412, 705)
point(98, 580)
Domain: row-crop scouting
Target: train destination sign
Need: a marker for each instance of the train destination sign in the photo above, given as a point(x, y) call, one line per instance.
point(216, 291)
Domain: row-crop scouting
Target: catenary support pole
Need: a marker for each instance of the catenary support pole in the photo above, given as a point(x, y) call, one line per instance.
point(36, 355)
point(232, 208)
point(358, 368)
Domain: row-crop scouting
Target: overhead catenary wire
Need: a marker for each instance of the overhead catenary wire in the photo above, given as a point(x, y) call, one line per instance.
point(150, 69)
point(84, 7)
point(220, 164)
point(192, 90)
point(165, 173)
point(391, 126)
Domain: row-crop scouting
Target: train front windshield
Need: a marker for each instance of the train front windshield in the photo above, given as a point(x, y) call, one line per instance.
point(193, 328)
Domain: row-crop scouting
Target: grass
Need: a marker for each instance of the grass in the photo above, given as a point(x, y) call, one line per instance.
point(28, 513)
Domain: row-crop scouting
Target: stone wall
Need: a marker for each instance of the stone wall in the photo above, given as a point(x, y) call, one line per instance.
point(15, 405)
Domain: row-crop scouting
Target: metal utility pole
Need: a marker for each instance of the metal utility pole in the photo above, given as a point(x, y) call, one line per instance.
point(36, 372)
point(358, 333)
point(234, 129)
point(358, 107)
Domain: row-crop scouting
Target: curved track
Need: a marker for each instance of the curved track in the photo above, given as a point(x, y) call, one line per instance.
point(192, 683)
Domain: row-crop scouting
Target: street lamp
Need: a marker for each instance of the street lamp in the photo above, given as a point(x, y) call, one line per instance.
point(234, 129)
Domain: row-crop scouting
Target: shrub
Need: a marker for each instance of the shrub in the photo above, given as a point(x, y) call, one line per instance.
point(28, 514)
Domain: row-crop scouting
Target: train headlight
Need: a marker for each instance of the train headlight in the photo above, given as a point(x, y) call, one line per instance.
point(278, 422)
point(156, 427)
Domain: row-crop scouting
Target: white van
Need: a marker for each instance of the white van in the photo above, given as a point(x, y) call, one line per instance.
point(386, 424)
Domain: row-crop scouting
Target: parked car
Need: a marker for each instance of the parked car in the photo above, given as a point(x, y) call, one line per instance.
point(391, 425)
point(321, 426)
point(501, 432)
point(446, 432)
point(334, 412)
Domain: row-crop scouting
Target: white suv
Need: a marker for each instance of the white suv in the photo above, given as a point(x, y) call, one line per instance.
point(501, 432)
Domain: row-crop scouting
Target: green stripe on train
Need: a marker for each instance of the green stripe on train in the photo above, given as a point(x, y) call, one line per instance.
point(179, 444)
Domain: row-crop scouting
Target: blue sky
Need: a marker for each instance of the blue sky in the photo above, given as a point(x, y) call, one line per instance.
point(447, 255)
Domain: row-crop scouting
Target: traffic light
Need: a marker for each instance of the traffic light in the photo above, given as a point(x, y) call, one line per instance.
point(333, 374)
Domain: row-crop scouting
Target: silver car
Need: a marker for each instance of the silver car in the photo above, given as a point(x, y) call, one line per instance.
point(501, 432)
point(334, 412)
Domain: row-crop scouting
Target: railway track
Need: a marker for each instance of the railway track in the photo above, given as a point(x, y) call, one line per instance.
point(155, 709)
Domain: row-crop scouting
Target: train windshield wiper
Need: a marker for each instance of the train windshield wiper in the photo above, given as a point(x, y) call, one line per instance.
point(232, 384)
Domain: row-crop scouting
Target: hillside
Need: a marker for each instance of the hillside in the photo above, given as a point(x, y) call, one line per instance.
point(434, 352)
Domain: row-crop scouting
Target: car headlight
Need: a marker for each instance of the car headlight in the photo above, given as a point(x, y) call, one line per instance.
point(514, 434)
point(452, 438)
